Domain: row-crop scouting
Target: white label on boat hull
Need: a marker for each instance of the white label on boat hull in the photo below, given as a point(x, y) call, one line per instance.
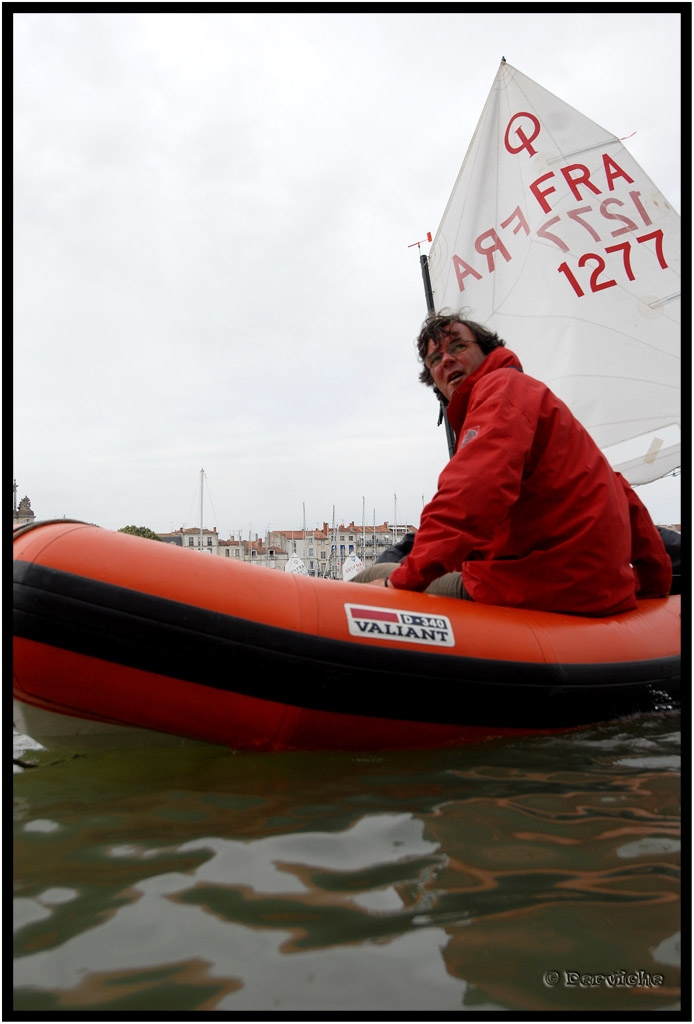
point(373, 623)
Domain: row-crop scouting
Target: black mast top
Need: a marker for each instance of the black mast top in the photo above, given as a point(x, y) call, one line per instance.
point(429, 295)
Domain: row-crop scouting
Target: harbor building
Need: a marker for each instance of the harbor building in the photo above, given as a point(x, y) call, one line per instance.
point(323, 550)
point(22, 514)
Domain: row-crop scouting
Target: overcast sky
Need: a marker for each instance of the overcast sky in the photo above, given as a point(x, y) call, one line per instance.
point(212, 215)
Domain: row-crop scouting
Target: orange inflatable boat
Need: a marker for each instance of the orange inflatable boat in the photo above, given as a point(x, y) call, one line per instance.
point(117, 637)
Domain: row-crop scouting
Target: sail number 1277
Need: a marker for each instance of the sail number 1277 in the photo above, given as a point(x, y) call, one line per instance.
point(597, 281)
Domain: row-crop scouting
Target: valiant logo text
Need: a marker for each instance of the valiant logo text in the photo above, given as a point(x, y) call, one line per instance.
point(410, 627)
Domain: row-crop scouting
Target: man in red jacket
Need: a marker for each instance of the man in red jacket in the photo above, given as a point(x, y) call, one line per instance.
point(528, 512)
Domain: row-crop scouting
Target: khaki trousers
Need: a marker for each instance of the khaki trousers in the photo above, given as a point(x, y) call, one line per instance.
point(449, 585)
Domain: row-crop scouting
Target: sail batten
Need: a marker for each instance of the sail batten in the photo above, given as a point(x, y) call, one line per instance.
point(556, 238)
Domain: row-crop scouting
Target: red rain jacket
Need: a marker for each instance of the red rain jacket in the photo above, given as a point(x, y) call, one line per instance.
point(529, 509)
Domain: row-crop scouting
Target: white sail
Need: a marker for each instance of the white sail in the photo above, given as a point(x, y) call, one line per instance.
point(351, 566)
point(296, 565)
point(557, 239)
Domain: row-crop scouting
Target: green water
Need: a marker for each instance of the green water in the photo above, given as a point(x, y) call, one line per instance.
point(535, 875)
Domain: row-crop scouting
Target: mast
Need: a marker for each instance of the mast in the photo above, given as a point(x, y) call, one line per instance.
point(333, 550)
point(373, 558)
point(363, 530)
point(431, 311)
point(428, 293)
point(202, 474)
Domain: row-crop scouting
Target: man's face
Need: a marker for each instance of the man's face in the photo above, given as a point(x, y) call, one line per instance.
point(455, 359)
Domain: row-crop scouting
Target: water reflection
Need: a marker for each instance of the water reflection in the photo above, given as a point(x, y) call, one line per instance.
point(435, 881)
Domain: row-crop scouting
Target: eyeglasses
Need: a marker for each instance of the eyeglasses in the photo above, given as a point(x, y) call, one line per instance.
point(454, 349)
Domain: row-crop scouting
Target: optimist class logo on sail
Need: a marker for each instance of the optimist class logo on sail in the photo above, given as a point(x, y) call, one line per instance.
point(374, 623)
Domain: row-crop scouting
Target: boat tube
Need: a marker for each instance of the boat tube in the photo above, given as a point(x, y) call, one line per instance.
point(117, 635)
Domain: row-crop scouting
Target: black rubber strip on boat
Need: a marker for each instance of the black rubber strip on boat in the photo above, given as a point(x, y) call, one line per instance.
point(130, 628)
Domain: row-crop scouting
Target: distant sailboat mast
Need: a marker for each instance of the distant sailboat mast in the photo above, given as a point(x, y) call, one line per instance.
point(334, 560)
point(202, 476)
point(373, 558)
point(363, 530)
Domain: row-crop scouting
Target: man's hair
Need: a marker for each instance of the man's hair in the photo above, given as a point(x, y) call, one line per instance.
point(437, 328)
